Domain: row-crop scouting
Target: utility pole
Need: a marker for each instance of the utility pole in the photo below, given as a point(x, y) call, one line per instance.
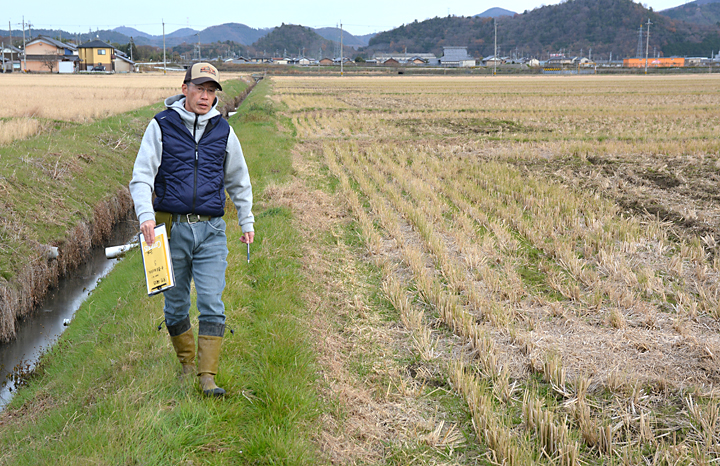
point(3, 55)
point(341, 49)
point(11, 45)
point(24, 57)
point(131, 47)
point(647, 45)
point(495, 55)
point(164, 60)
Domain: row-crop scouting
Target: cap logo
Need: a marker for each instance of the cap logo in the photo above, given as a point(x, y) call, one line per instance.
point(207, 69)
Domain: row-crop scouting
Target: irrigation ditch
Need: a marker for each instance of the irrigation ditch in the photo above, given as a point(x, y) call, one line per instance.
point(38, 304)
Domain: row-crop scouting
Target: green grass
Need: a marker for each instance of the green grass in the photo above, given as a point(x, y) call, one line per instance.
point(108, 393)
point(51, 182)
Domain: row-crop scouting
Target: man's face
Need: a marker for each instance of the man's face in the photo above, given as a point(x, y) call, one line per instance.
point(199, 98)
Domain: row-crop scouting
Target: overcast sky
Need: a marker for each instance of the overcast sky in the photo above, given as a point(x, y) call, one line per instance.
point(358, 17)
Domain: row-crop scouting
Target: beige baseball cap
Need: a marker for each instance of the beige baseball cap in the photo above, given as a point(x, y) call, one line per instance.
point(201, 73)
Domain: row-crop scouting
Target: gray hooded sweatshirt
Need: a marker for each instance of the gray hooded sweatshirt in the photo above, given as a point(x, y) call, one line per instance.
point(237, 179)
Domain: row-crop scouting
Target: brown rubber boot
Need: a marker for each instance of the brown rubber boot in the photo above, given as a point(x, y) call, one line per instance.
point(208, 361)
point(183, 341)
point(184, 345)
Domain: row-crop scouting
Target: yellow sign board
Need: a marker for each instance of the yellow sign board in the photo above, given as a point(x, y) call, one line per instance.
point(157, 262)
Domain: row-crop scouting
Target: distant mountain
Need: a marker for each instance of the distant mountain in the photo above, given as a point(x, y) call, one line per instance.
point(705, 12)
point(571, 27)
point(143, 38)
point(182, 32)
point(296, 40)
point(347, 38)
point(366, 37)
point(495, 13)
point(236, 32)
point(132, 32)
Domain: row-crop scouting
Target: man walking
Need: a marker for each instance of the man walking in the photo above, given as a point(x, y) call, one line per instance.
point(188, 157)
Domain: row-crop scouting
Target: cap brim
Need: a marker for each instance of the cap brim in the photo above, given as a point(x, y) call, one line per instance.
point(198, 81)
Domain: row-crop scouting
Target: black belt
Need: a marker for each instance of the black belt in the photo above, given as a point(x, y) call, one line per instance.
point(190, 218)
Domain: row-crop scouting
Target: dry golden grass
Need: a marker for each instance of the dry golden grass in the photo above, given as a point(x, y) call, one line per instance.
point(30, 99)
point(18, 128)
point(503, 206)
point(82, 97)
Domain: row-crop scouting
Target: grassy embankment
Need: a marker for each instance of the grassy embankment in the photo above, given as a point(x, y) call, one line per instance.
point(65, 188)
point(109, 393)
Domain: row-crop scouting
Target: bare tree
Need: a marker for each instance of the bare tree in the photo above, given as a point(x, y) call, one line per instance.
point(50, 62)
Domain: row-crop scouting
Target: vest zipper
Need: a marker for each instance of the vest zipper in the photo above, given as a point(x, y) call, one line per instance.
point(197, 156)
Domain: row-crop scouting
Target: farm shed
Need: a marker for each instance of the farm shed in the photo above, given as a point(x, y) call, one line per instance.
point(94, 53)
point(123, 64)
point(456, 56)
point(44, 54)
point(325, 62)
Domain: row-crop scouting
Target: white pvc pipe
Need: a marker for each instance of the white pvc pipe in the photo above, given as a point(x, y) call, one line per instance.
point(114, 252)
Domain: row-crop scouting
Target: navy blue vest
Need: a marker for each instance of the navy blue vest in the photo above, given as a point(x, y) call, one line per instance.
point(191, 176)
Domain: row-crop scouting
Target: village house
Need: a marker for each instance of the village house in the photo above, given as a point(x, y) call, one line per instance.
point(237, 60)
point(560, 61)
point(46, 55)
point(325, 61)
point(260, 60)
point(492, 60)
point(10, 58)
point(96, 54)
point(407, 58)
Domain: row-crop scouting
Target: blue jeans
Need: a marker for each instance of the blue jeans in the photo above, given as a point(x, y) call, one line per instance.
point(199, 252)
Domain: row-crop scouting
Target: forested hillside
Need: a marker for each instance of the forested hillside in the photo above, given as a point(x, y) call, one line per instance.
point(573, 27)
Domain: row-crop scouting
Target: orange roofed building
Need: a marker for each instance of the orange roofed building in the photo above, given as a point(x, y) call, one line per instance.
point(654, 62)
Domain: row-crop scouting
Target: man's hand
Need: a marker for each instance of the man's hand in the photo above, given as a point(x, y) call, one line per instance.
point(248, 237)
point(148, 231)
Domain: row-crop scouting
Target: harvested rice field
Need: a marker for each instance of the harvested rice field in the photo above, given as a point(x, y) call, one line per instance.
point(548, 248)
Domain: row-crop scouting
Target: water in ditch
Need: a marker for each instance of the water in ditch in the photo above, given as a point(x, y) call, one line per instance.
point(40, 331)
